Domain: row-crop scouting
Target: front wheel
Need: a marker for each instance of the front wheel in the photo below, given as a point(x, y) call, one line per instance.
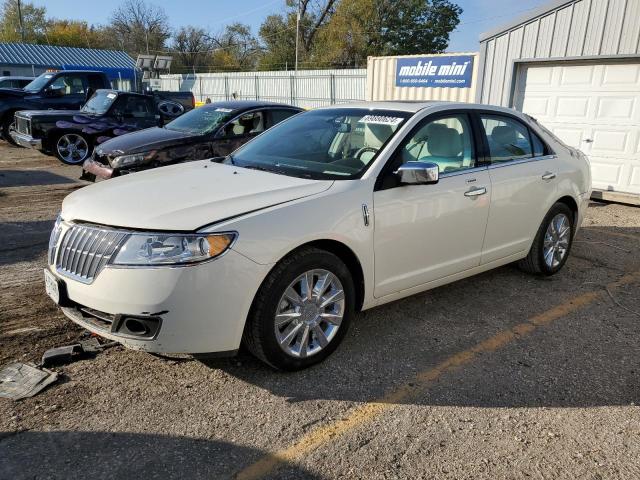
point(7, 126)
point(72, 148)
point(552, 243)
point(302, 311)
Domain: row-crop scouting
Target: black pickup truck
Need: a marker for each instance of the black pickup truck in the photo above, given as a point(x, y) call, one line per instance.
point(65, 92)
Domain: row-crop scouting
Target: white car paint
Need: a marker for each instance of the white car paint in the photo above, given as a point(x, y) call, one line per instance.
point(419, 237)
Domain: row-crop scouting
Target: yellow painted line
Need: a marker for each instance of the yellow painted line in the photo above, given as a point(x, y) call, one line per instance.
point(371, 410)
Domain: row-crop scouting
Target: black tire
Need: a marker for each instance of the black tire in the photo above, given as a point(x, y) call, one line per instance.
point(259, 334)
point(79, 160)
point(534, 262)
point(7, 124)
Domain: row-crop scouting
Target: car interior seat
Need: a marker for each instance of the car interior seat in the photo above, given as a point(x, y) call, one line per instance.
point(503, 143)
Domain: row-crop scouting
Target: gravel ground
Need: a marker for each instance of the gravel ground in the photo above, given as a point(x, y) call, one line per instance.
point(498, 376)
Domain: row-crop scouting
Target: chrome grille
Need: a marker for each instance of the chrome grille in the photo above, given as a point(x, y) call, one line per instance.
point(53, 242)
point(23, 125)
point(85, 250)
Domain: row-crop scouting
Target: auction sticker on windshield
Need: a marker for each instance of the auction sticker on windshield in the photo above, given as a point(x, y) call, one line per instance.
point(380, 120)
point(225, 110)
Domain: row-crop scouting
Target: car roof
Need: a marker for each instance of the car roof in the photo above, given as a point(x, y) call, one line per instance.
point(412, 106)
point(15, 77)
point(246, 104)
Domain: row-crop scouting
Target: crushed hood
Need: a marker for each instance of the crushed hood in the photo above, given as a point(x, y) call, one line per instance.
point(184, 197)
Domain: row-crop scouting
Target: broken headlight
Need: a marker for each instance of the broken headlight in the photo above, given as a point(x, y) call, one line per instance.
point(131, 160)
point(143, 249)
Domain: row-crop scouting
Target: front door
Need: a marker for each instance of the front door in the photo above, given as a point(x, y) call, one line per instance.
point(427, 232)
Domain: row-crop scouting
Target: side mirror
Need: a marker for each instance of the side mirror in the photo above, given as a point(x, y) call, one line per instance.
point(52, 91)
point(418, 173)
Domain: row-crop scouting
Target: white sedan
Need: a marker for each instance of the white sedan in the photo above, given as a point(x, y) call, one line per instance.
point(331, 212)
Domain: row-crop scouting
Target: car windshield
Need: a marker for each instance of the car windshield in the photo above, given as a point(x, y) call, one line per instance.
point(336, 144)
point(202, 120)
point(99, 103)
point(36, 84)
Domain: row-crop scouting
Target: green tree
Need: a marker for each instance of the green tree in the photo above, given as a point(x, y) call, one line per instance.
point(71, 33)
point(278, 32)
point(33, 22)
point(362, 28)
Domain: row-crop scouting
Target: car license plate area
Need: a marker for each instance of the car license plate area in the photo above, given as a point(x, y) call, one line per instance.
point(52, 286)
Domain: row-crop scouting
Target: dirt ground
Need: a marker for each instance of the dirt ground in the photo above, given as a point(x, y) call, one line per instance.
point(502, 375)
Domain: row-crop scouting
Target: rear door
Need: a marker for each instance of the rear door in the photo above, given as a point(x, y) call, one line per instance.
point(523, 180)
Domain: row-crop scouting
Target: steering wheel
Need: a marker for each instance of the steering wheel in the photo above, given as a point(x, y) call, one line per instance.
point(363, 150)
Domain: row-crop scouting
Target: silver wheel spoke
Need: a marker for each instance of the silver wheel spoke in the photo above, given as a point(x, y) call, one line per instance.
point(320, 336)
point(333, 318)
point(306, 286)
point(284, 318)
point(333, 298)
point(291, 333)
point(304, 341)
point(293, 297)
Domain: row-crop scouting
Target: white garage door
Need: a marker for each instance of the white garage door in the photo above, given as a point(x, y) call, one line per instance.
point(595, 107)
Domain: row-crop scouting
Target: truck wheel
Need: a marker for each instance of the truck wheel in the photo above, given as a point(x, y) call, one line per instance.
point(7, 126)
point(72, 148)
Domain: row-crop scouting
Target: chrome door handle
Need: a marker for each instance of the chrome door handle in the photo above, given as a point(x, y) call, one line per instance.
point(549, 176)
point(474, 192)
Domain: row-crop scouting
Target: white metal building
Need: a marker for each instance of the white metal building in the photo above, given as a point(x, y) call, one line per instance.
point(575, 66)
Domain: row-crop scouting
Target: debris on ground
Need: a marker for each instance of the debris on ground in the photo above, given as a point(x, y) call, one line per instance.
point(22, 380)
point(70, 353)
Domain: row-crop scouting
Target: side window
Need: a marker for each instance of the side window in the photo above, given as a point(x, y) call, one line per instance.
point(70, 84)
point(137, 107)
point(95, 81)
point(508, 139)
point(446, 141)
point(276, 116)
point(247, 124)
point(539, 148)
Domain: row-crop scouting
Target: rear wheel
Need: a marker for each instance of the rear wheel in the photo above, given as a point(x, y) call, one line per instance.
point(302, 311)
point(552, 243)
point(72, 148)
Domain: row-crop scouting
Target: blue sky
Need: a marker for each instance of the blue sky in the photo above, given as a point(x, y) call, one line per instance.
point(479, 15)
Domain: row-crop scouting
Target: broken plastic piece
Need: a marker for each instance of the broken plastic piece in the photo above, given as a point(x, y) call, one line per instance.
point(21, 380)
point(62, 355)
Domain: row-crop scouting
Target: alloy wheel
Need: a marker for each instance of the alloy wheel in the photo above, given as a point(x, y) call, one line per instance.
point(309, 313)
point(556, 240)
point(72, 148)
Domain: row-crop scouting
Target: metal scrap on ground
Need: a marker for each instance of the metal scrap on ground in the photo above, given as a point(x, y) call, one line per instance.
point(21, 380)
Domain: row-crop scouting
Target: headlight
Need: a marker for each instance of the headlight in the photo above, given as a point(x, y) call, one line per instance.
point(134, 159)
point(172, 249)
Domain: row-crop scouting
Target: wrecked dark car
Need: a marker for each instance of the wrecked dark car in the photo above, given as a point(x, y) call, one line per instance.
point(71, 135)
point(213, 130)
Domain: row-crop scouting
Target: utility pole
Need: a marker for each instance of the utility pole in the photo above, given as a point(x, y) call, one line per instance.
point(297, 34)
point(20, 21)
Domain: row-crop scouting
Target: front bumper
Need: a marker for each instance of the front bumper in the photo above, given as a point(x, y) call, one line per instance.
point(26, 141)
point(197, 309)
point(98, 169)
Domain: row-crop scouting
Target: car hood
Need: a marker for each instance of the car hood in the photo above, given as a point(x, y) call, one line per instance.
point(142, 141)
point(12, 92)
point(184, 197)
point(47, 113)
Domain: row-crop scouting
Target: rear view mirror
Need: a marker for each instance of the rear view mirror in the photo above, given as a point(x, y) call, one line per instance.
point(418, 173)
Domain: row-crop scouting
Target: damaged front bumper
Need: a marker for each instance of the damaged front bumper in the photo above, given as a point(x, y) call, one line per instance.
point(98, 169)
point(26, 141)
